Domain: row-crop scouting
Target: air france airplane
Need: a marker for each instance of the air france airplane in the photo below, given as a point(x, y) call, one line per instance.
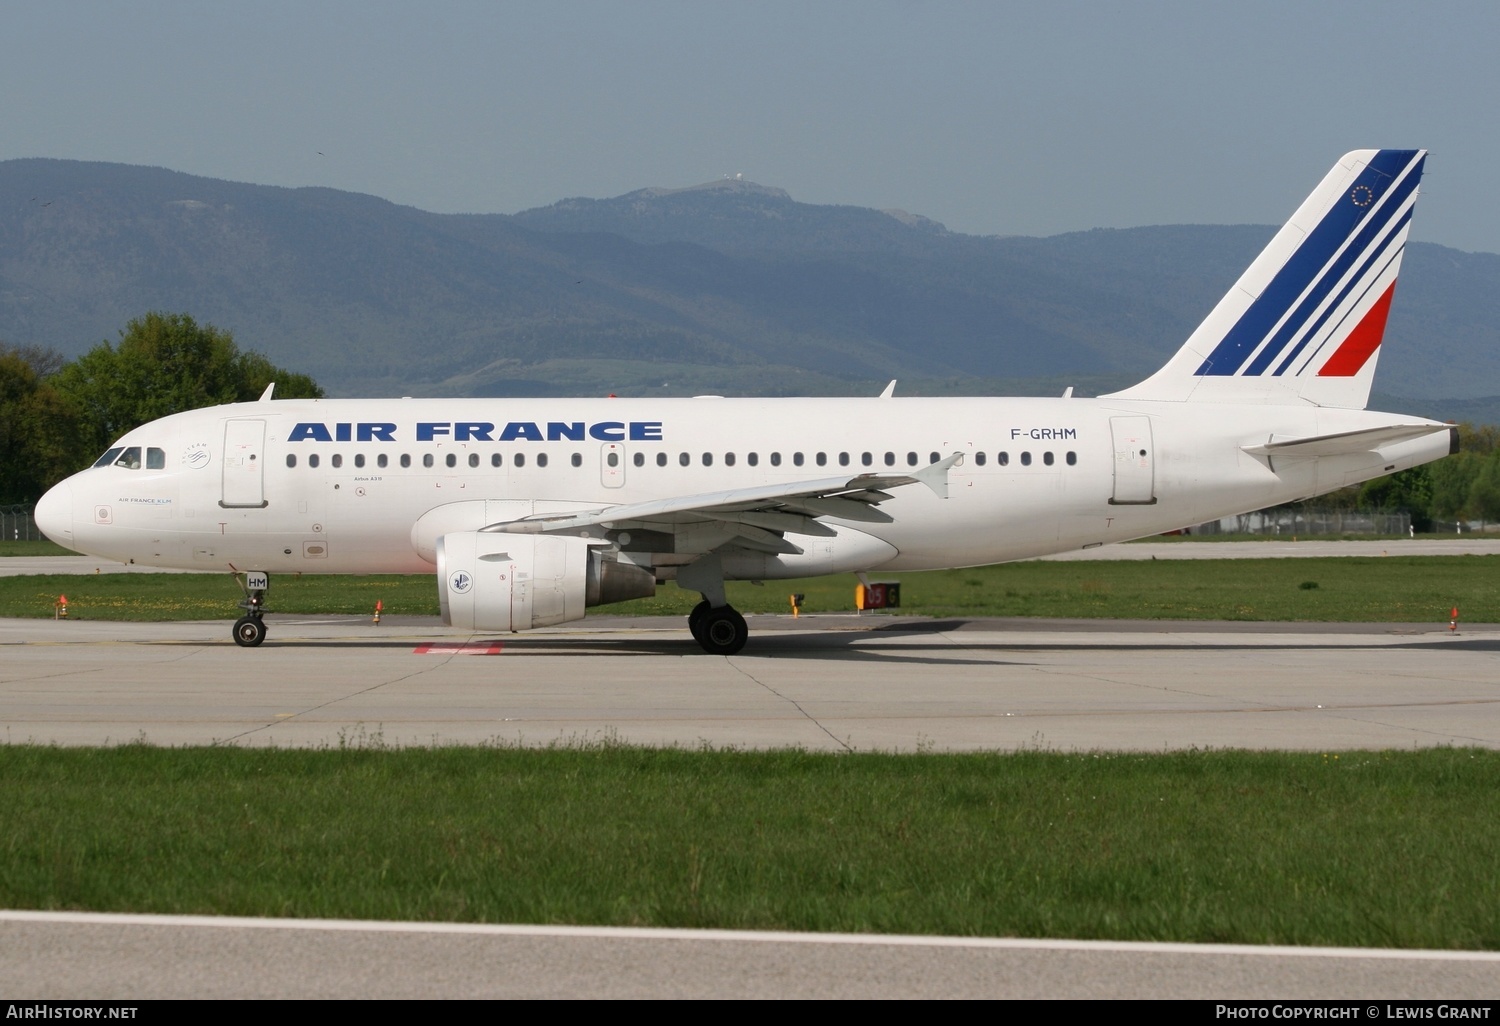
point(529, 511)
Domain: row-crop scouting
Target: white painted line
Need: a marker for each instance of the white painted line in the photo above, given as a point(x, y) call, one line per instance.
point(753, 936)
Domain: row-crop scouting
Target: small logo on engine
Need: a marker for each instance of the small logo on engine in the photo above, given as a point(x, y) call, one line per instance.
point(460, 581)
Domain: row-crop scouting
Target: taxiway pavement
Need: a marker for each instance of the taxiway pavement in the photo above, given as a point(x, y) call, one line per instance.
point(820, 682)
point(63, 955)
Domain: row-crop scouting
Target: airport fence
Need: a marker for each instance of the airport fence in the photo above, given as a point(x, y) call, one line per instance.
point(1303, 523)
point(16, 524)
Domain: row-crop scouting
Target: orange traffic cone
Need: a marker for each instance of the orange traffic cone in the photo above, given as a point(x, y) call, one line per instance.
point(378, 607)
point(1453, 622)
point(61, 610)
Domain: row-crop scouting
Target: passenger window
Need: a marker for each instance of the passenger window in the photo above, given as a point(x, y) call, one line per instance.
point(1072, 458)
point(520, 460)
point(753, 459)
point(1047, 458)
point(911, 459)
point(406, 459)
point(108, 457)
point(494, 459)
point(797, 458)
point(578, 459)
point(843, 459)
point(130, 459)
point(867, 458)
point(1025, 459)
point(684, 460)
point(359, 459)
point(291, 459)
point(822, 459)
point(427, 459)
point(775, 459)
point(639, 459)
point(979, 459)
point(661, 459)
point(382, 460)
point(890, 459)
point(541, 459)
point(452, 459)
point(1003, 459)
point(729, 459)
point(312, 461)
point(473, 459)
point(156, 459)
point(933, 457)
point(338, 460)
point(708, 459)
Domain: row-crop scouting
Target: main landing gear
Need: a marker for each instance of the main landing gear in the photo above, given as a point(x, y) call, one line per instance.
point(720, 631)
point(716, 625)
point(250, 629)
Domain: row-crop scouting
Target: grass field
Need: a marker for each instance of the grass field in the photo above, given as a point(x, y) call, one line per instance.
point(1384, 849)
point(33, 548)
point(1380, 589)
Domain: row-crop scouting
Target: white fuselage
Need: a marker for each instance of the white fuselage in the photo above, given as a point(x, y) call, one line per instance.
point(364, 486)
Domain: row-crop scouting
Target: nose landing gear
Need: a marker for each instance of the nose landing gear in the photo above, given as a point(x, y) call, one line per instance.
point(250, 629)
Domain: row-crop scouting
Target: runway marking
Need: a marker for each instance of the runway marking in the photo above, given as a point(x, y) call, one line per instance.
point(751, 936)
point(459, 648)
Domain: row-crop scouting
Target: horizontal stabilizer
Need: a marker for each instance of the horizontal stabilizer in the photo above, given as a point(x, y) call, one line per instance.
point(1344, 443)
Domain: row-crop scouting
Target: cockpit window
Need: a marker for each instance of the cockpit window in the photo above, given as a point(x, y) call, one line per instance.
point(130, 459)
point(156, 459)
point(109, 457)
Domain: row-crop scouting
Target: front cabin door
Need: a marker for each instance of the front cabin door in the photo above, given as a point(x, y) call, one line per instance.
point(244, 459)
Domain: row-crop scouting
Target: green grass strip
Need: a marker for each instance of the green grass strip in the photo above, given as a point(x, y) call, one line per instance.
point(1361, 848)
point(1348, 589)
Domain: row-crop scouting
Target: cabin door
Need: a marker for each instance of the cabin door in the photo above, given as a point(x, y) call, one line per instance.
point(244, 459)
point(1134, 460)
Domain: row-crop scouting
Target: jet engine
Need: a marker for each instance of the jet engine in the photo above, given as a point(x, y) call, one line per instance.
point(514, 582)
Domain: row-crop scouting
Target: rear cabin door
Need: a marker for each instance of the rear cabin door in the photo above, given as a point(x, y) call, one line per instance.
point(244, 460)
point(1134, 461)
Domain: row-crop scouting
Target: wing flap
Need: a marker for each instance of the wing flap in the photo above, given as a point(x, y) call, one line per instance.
point(845, 498)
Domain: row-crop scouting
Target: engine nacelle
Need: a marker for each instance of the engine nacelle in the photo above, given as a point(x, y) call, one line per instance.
point(514, 582)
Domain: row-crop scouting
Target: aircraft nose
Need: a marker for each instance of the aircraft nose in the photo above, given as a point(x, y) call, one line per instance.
point(54, 514)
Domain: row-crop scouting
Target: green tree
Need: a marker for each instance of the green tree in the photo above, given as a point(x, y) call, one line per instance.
point(164, 364)
point(1409, 491)
point(1484, 493)
point(39, 436)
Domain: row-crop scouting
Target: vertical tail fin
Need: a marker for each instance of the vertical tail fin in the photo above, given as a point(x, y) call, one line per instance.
point(1304, 323)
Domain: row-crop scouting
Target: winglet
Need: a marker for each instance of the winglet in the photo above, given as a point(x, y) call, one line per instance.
point(266, 395)
point(890, 390)
point(935, 475)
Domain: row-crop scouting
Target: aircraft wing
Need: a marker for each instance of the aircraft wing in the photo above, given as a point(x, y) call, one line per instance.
point(757, 516)
point(1344, 443)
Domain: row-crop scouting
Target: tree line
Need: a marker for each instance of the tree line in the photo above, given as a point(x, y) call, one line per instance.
point(1464, 486)
point(58, 415)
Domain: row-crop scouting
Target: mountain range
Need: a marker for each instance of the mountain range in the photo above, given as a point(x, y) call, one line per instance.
point(728, 287)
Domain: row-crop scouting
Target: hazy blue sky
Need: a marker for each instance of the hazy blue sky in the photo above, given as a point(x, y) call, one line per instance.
point(990, 117)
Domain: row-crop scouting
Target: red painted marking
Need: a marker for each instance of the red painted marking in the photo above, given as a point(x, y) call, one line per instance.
point(459, 648)
point(1362, 341)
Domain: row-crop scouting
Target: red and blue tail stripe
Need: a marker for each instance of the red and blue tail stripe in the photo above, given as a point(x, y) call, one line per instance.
point(1326, 279)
